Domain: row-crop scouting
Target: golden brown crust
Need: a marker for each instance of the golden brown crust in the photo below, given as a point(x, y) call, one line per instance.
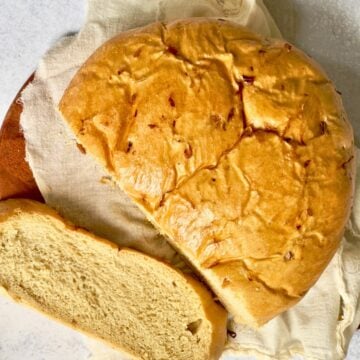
point(236, 147)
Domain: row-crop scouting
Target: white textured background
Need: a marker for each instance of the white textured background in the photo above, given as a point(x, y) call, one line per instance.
point(329, 30)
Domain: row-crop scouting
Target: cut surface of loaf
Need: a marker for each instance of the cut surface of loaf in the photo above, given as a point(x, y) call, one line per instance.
point(235, 146)
point(132, 301)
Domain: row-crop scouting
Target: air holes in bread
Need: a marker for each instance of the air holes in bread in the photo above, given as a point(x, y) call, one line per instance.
point(194, 326)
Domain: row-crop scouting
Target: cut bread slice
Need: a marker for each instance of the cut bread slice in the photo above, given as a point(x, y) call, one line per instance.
point(132, 301)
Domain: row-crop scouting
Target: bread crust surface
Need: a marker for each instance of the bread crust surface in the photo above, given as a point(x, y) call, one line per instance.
point(235, 146)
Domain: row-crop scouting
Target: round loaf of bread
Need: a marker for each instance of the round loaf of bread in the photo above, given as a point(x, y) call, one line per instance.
point(235, 146)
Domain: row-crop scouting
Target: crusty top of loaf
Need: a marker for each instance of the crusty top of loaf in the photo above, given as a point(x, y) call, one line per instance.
point(235, 146)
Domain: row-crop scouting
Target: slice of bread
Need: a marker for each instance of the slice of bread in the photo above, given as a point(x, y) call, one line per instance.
point(132, 301)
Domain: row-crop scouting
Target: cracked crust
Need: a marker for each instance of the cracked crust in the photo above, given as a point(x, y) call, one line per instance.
point(236, 147)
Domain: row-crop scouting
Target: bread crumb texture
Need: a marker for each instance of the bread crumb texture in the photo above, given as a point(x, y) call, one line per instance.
point(128, 299)
point(235, 146)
